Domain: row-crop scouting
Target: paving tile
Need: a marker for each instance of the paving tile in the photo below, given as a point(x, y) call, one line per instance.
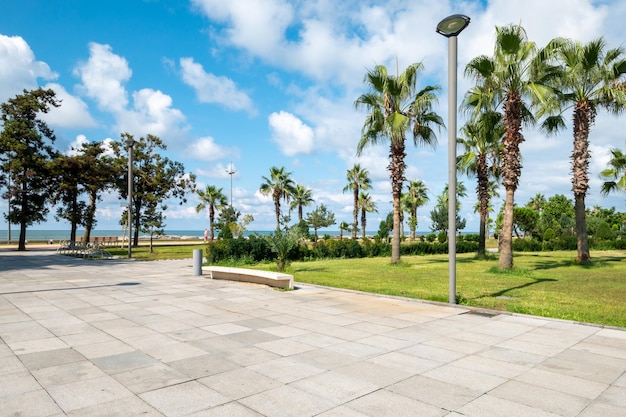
point(337, 387)
point(66, 373)
point(183, 399)
point(226, 410)
point(150, 378)
point(490, 366)
point(81, 394)
point(438, 393)
point(614, 396)
point(240, 383)
point(563, 383)
point(203, 365)
point(465, 377)
point(30, 404)
point(100, 349)
point(405, 362)
point(17, 383)
point(545, 399)
point(124, 407)
point(601, 409)
point(374, 373)
point(123, 362)
point(10, 365)
point(286, 369)
point(49, 358)
point(386, 403)
point(284, 347)
point(489, 406)
point(286, 401)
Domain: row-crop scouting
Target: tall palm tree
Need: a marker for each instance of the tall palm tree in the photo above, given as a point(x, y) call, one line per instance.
point(395, 109)
point(591, 79)
point(280, 187)
point(537, 202)
point(358, 179)
point(515, 74)
point(301, 197)
point(482, 159)
point(367, 205)
point(214, 199)
point(615, 174)
point(415, 197)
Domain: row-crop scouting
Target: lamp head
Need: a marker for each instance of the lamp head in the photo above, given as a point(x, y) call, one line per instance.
point(453, 25)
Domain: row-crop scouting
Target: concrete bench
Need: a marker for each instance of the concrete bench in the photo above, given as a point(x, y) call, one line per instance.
point(273, 279)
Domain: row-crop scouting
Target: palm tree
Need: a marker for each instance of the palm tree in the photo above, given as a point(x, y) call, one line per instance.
point(214, 199)
point(514, 74)
point(615, 175)
point(301, 197)
point(343, 226)
point(358, 179)
point(482, 159)
point(415, 197)
point(537, 202)
point(591, 79)
point(279, 186)
point(395, 109)
point(367, 205)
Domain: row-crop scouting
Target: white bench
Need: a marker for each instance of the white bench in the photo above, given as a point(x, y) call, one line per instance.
point(273, 279)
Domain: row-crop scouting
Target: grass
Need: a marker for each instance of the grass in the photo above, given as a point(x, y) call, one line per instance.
point(159, 252)
point(548, 284)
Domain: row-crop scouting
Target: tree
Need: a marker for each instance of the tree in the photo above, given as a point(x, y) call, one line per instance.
point(155, 178)
point(26, 156)
point(100, 174)
point(394, 110)
point(319, 218)
point(537, 202)
point(211, 199)
point(481, 158)
point(514, 74)
point(558, 214)
point(227, 222)
point(526, 221)
point(301, 197)
point(415, 197)
point(281, 243)
point(367, 205)
point(280, 187)
point(358, 179)
point(152, 222)
point(343, 226)
point(590, 79)
point(67, 172)
point(439, 215)
point(615, 174)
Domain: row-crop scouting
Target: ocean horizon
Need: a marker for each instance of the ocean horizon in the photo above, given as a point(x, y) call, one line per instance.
point(34, 235)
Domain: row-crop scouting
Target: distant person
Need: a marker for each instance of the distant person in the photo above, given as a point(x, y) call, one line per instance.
point(206, 235)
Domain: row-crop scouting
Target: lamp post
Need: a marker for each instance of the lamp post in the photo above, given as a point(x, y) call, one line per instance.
point(450, 27)
point(129, 144)
point(231, 171)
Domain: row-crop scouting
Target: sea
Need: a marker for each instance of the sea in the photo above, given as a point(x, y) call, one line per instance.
point(34, 235)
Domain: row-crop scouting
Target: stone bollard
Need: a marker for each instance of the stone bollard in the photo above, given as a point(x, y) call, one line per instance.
point(197, 261)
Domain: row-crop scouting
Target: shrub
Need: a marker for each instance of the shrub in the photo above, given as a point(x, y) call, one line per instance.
point(431, 237)
point(442, 237)
point(549, 234)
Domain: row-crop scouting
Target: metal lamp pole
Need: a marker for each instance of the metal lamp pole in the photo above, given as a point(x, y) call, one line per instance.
point(230, 171)
point(450, 27)
point(129, 144)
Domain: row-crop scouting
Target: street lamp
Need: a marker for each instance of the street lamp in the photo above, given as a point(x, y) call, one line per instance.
point(129, 143)
point(231, 171)
point(450, 27)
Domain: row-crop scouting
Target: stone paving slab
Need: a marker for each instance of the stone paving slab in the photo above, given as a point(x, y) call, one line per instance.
point(125, 338)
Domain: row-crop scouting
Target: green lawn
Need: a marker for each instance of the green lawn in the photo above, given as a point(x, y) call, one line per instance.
point(546, 284)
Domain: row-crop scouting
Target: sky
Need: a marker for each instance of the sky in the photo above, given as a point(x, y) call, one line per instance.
point(262, 83)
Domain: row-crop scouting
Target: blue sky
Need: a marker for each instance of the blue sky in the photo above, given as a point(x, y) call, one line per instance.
point(263, 83)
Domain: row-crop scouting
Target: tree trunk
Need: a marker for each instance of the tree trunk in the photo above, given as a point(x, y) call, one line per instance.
point(482, 236)
point(21, 246)
point(211, 221)
point(395, 241)
point(581, 230)
point(505, 243)
point(355, 212)
point(91, 212)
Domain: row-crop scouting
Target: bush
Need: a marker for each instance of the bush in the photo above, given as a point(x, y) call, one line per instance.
point(442, 237)
point(431, 237)
point(526, 244)
point(604, 232)
point(549, 234)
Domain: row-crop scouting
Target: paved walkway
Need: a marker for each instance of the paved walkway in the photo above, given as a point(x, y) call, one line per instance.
point(128, 338)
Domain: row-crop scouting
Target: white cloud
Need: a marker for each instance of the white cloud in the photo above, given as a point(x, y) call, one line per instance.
point(103, 77)
point(210, 88)
point(72, 113)
point(78, 143)
point(19, 69)
point(290, 134)
point(207, 149)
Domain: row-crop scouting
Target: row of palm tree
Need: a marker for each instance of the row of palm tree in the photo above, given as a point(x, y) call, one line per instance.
point(515, 87)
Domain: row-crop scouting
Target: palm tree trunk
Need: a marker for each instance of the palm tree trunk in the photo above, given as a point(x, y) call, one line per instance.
point(277, 209)
point(581, 229)
point(395, 240)
point(355, 212)
point(505, 242)
point(583, 116)
point(211, 222)
point(481, 236)
point(396, 172)
point(363, 223)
